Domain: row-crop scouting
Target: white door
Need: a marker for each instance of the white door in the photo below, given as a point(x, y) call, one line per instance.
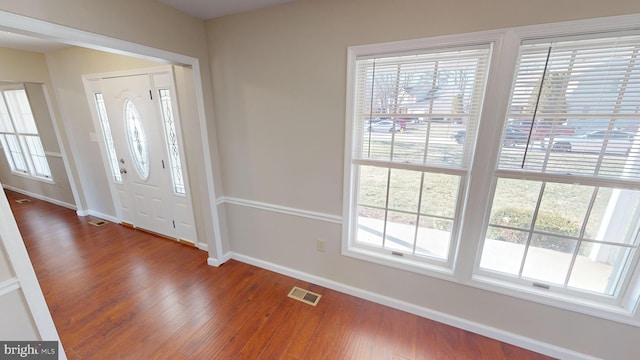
point(138, 140)
point(136, 113)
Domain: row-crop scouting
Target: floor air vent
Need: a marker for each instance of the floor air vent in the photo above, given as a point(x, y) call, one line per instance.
point(22, 201)
point(305, 296)
point(97, 222)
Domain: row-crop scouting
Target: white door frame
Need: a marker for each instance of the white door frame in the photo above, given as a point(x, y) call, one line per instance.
point(34, 27)
point(25, 280)
point(92, 85)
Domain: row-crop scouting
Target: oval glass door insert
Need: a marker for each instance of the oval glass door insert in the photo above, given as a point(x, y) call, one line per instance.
point(136, 139)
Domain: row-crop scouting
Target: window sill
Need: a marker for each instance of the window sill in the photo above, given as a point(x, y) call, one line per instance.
point(406, 264)
point(594, 308)
point(36, 178)
point(620, 314)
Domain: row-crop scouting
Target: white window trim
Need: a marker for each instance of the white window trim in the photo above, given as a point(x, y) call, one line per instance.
point(30, 173)
point(466, 258)
point(444, 271)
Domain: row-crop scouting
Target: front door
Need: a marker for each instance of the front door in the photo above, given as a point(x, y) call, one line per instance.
point(137, 116)
point(138, 140)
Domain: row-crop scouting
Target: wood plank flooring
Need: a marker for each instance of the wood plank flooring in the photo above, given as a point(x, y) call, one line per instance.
point(119, 293)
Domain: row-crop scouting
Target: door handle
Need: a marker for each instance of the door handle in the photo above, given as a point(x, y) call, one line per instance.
point(123, 171)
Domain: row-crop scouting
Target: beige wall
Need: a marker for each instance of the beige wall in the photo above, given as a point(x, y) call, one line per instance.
point(31, 68)
point(279, 83)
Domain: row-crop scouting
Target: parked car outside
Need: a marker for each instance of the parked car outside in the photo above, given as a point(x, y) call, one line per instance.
point(384, 126)
point(459, 136)
point(540, 130)
point(619, 142)
point(512, 137)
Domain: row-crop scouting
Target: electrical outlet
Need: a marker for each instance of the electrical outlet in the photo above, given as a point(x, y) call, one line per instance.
point(320, 245)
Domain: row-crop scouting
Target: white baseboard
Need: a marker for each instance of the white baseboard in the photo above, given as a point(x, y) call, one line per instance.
point(102, 216)
point(217, 262)
point(82, 212)
point(203, 246)
point(40, 197)
point(481, 329)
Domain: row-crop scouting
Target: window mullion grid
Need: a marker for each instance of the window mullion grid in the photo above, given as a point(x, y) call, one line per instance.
point(415, 235)
point(430, 113)
point(28, 157)
point(531, 229)
point(576, 251)
point(386, 208)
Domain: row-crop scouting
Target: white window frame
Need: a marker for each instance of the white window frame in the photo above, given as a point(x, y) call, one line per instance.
point(349, 248)
point(480, 189)
point(23, 148)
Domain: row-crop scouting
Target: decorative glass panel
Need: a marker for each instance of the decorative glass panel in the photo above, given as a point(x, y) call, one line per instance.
point(108, 138)
point(137, 140)
point(172, 142)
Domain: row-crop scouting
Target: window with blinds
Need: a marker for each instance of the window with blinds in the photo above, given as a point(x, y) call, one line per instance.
point(19, 136)
point(566, 209)
point(415, 119)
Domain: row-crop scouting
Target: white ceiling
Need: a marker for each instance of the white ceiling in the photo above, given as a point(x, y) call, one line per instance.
point(208, 9)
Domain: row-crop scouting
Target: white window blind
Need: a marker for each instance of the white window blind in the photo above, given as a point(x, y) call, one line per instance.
point(409, 108)
point(442, 90)
point(578, 103)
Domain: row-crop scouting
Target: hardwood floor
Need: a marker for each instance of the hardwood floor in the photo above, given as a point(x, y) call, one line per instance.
point(119, 293)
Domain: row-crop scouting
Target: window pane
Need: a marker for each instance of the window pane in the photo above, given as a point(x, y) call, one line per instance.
point(404, 190)
point(548, 258)
point(15, 152)
point(5, 120)
point(595, 267)
point(20, 110)
point(38, 157)
point(503, 250)
point(370, 226)
point(439, 194)
point(615, 216)
point(373, 186)
point(400, 231)
point(563, 208)
point(514, 203)
point(434, 237)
